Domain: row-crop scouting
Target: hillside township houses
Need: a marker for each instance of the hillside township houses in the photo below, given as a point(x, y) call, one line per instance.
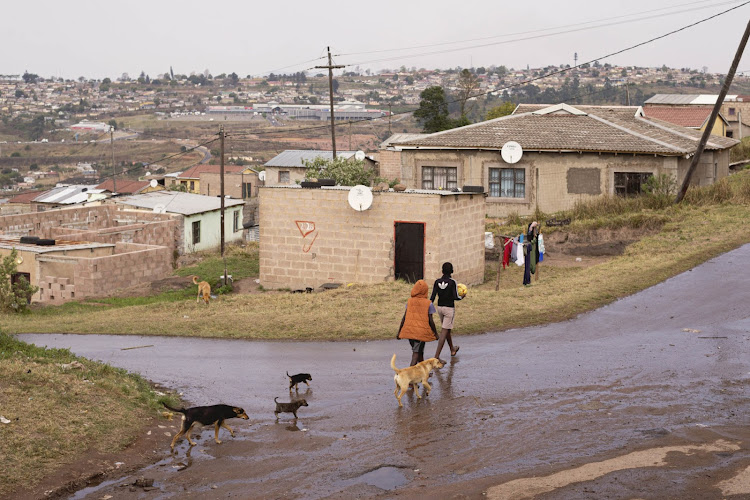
point(570, 153)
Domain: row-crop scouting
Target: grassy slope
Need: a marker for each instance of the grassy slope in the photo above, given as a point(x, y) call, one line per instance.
point(713, 223)
point(57, 414)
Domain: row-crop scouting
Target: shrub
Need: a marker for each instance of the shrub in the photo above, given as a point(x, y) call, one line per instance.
point(14, 297)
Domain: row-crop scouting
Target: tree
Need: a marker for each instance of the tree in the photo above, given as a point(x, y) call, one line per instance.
point(36, 128)
point(14, 297)
point(433, 110)
point(335, 84)
point(234, 78)
point(30, 77)
point(107, 81)
point(503, 109)
point(468, 84)
point(345, 171)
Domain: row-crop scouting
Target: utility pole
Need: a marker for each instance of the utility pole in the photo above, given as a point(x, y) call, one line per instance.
point(714, 114)
point(330, 68)
point(221, 172)
point(389, 118)
point(627, 90)
point(114, 168)
point(350, 135)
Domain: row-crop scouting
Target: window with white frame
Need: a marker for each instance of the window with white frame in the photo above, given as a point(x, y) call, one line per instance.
point(507, 182)
point(439, 177)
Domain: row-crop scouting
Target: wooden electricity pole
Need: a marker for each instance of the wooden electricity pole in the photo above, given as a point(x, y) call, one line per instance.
point(330, 69)
point(221, 183)
point(114, 169)
point(714, 114)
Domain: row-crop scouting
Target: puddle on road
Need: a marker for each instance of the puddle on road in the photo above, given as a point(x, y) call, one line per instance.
point(385, 478)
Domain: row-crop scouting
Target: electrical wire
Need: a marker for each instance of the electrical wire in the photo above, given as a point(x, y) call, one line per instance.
point(544, 29)
point(504, 42)
point(546, 75)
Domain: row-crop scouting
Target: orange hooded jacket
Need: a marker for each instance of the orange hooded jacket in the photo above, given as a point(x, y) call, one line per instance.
point(417, 322)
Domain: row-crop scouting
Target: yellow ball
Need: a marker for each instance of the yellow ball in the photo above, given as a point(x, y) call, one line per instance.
point(462, 290)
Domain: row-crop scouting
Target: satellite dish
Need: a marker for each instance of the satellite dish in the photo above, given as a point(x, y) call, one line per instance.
point(359, 155)
point(360, 198)
point(159, 208)
point(511, 152)
point(147, 174)
point(153, 183)
point(262, 176)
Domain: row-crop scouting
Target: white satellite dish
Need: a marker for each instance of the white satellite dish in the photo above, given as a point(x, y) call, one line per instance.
point(359, 155)
point(153, 183)
point(147, 174)
point(360, 198)
point(511, 152)
point(159, 208)
point(262, 176)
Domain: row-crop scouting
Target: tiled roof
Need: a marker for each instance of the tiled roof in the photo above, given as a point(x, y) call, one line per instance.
point(124, 186)
point(685, 116)
point(541, 127)
point(26, 197)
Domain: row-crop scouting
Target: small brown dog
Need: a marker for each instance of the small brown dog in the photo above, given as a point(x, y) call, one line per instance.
point(204, 290)
point(291, 407)
point(413, 375)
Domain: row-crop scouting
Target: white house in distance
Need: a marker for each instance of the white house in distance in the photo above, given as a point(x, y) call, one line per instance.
point(201, 216)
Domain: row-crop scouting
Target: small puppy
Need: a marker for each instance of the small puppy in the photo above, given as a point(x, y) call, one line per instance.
point(288, 407)
point(413, 375)
point(298, 379)
point(205, 415)
point(204, 290)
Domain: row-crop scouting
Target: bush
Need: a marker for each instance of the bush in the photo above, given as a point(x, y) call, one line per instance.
point(14, 297)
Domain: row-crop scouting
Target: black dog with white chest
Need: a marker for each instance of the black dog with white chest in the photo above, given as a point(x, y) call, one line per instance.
point(291, 407)
point(294, 380)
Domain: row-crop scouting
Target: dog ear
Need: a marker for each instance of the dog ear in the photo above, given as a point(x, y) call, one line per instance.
point(237, 410)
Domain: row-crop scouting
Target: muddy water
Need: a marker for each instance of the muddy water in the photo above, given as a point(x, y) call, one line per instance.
point(513, 404)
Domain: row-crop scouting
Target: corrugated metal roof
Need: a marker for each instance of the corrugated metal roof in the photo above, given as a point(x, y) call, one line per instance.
point(67, 195)
point(294, 157)
point(176, 202)
point(688, 99)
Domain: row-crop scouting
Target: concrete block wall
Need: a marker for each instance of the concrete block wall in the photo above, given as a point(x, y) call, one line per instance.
point(390, 164)
point(462, 244)
point(55, 290)
point(132, 264)
point(309, 237)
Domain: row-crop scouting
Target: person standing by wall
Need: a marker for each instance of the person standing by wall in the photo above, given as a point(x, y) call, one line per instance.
point(447, 292)
point(417, 324)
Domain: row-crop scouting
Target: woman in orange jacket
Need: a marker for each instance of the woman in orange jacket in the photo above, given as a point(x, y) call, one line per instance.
point(417, 324)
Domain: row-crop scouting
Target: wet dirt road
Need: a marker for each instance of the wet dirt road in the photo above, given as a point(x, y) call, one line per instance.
point(618, 403)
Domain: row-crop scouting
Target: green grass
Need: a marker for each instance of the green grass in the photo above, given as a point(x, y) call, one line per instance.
point(58, 414)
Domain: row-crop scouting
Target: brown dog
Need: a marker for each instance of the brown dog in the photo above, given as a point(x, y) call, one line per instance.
point(204, 290)
point(413, 375)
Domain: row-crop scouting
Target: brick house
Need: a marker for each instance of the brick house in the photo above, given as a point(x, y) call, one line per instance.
point(570, 153)
point(191, 178)
point(735, 109)
point(310, 237)
point(288, 168)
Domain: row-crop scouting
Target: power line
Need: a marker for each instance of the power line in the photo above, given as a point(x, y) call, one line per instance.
point(544, 29)
point(534, 79)
point(445, 51)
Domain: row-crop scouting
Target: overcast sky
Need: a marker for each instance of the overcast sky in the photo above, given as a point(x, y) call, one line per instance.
point(100, 39)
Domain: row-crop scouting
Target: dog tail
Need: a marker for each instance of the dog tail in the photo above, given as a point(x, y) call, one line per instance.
point(274, 400)
point(393, 364)
point(173, 409)
point(287, 374)
point(195, 279)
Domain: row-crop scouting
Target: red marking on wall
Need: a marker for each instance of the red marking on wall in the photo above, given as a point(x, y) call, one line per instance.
point(306, 227)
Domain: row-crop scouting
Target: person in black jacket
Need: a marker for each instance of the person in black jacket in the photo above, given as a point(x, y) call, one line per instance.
point(447, 292)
